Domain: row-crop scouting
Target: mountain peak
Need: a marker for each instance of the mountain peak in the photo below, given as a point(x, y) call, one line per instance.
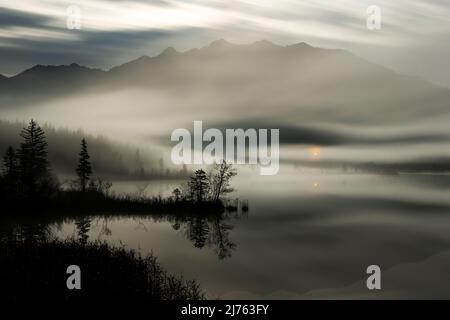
point(169, 51)
point(302, 45)
point(73, 69)
point(264, 43)
point(41, 67)
point(219, 43)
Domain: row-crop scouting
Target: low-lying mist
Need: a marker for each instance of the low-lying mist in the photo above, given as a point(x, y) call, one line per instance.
point(329, 100)
point(109, 158)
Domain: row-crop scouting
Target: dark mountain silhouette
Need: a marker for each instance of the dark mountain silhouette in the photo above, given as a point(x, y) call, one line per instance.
point(308, 82)
point(41, 81)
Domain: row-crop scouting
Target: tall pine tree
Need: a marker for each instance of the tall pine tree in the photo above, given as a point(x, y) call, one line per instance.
point(199, 186)
point(10, 163)
point(34, 166)
point(10, 172)
point(84, 169)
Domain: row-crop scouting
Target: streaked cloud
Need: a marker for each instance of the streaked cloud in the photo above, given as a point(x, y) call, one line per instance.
point(410, 26)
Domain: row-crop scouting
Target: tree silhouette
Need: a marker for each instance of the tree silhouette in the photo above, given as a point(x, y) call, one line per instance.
point(139, 166)
point(221, 239)
point(84, 169)
point(10, 163)
point(83, 225)
point(34, 166)
point(10, 172)
point(176, 194)
point(198, 230)
point(221, 180)
point(199, 185)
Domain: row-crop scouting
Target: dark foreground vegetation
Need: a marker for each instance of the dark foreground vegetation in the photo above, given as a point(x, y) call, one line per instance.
point(34, 265)
point(28, 184)
point(38, 269)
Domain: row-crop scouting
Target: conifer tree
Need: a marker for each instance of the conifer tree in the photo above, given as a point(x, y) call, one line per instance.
point(199, 185)
point(176, 194)
point(34, 166)
point(10, 172)
point(84, 169)
point(10, 164)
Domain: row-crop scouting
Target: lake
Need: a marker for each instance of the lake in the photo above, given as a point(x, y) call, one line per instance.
point(307, 234)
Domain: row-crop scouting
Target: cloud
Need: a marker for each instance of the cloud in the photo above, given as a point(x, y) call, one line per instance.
point(406, 25)
point(309, 135)
point(14, 18)
point(102, 49)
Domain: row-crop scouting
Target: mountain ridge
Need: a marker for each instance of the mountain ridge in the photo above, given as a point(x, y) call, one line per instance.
point(300, 78)
point(220, 43)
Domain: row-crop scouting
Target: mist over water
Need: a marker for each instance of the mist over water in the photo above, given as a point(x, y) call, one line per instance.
point(146, 119)
point(309, 235)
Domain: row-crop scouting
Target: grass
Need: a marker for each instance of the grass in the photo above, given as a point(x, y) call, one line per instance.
point(79, 202)
point(37, 269)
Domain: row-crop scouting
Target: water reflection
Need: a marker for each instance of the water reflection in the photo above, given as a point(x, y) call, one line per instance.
point(24, 231)
point(83, 227)
point(212, 231)
point(316, 239)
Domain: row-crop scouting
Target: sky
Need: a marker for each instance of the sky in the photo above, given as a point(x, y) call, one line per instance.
point(414, 37)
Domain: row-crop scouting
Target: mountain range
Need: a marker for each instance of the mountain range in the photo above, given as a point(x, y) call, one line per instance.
point(295, 77)
point(333, 95)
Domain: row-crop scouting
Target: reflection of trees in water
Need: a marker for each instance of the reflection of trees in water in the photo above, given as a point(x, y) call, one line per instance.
point(205, 230)
point(25, 231)
point(202, 230)
point(212, 231)
point(220, 238)
point(197, 231)
point(105, 230)
point(83, 225)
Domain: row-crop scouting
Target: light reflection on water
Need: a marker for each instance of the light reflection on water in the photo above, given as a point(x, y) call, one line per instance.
point(304, 236)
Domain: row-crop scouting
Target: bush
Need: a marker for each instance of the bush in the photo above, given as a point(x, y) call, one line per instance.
point(37, 269)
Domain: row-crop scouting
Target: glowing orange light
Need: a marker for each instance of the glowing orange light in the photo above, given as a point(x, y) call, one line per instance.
point(316, 184)
point(315, 152)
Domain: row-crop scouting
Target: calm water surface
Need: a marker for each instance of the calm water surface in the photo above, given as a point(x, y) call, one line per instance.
point(306, 235)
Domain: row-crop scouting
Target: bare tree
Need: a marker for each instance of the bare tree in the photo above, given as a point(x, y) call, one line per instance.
point(220, 182)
